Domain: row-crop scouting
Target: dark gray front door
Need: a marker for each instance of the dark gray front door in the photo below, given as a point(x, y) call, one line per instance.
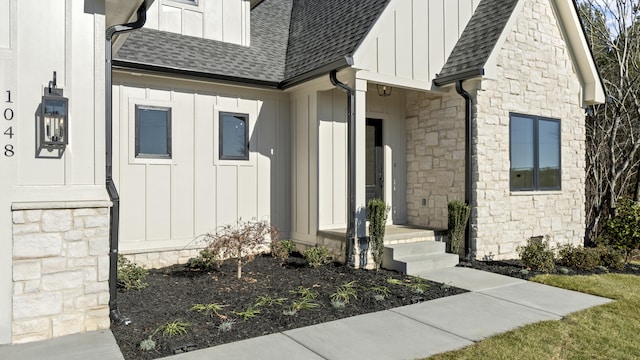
point(374, 168)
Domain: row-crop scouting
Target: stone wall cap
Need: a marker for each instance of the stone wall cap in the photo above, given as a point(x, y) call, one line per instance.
point(42, 205)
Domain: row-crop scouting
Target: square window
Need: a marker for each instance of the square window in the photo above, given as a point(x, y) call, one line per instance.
point(153, 132)
point(234, 136)
point(534, 144)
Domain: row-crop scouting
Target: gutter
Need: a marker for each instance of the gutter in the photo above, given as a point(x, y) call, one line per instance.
point(351, 235)
point(114, 222)
point(468, 134)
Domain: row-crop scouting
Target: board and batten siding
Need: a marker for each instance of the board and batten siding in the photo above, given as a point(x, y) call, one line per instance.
point(404, 49)
point(222, 20)
point(166, 203)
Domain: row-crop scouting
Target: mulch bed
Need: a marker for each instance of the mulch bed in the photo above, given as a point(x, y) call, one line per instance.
point(515, 268)
point(173, 290)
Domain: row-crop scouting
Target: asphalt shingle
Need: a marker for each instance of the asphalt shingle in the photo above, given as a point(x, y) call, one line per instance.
point(479, 38)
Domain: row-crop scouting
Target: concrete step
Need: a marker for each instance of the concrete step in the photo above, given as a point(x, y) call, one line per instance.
point(417, 257)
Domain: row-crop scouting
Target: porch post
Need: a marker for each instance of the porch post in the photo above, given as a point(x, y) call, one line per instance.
point(360, 168)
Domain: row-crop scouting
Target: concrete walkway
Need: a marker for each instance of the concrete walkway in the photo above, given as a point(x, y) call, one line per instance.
point(495, 304)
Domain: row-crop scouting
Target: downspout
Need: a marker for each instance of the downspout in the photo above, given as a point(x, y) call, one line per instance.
point(114, 222)
point(468, 131)
point(351, 162)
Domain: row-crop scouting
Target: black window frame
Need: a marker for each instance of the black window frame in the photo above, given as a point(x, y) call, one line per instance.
point(221, 155)
point(536, 153)
point(140, 155)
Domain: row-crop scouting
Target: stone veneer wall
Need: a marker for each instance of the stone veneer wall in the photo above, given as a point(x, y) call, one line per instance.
point(159, 259)
point(435, 156)
point(60, 271)
point(535, 75)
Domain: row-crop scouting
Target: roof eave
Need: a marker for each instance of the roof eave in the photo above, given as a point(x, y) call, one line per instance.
point(323, 70)
point(453, 78)
point(165, 70)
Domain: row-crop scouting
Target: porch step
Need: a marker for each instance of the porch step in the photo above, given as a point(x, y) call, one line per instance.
point(417, 257)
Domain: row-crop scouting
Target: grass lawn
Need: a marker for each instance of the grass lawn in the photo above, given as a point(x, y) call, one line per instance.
point(610, 331)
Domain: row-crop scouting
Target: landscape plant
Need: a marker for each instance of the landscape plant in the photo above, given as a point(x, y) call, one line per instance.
point(248, 314)
point(344, 293)
point(623, 230)
point(457, 215)
point(130, 275)
point(173, 328)
point(377, 212)
point(209, 309)
point(583, 258)
point(537, 255)
point(242, 241)
point(317, 255)
point(282, 249)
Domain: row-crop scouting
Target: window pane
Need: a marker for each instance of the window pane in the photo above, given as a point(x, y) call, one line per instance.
point(522, 155)
point(153, 132)
point(233, 137)
point(549, 153)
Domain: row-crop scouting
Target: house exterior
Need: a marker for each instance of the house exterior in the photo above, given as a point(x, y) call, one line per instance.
point(291, 111)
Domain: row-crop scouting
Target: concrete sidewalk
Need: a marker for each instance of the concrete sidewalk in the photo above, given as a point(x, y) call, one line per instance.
point(495, 304)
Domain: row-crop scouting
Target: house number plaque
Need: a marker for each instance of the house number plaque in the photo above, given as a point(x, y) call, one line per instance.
point(8, 115)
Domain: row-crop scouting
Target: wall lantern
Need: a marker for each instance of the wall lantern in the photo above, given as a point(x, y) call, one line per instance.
point(54, 118)
point(384, 90)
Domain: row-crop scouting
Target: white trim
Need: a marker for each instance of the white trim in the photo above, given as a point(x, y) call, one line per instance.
point(131, 141)
point(60, 205)
point(59, 193)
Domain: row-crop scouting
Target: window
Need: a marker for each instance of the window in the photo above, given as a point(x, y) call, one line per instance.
point(153, 132)
point(190, 2)
point(534, 153)
point(234, 135)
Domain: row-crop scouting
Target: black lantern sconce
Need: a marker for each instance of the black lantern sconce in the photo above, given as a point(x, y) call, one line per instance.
point(384, 90)
point(53, 124)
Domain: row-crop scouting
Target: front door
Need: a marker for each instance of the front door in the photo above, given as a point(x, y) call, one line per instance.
point(374, 168)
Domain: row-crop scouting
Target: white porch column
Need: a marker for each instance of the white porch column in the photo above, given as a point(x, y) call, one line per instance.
point(360, 176)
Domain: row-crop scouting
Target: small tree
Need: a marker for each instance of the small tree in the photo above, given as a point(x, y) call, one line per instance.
point(377, 216)
point(458, 215)
point(240, 242)
point(623, 230)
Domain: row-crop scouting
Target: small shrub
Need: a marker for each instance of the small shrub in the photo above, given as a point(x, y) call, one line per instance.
point(174, 328)
point(578, 257)
point(130, 275)
point(457, 216)
point(248, 314)
point(338, 304)
point(269, 301)
point(209, 309)
point(205, 260)
point(282, 249)
point(148, 344)
point(305, 293)
point(537, 255)
point(377, 216)
point(240, 242)
point(380, 292)
point(417, 285)
point(345, 292)
point(393, 281)
point(226, 326)
point(623, 230)
point(611, 258)
point(317, 255)
point(304, 304)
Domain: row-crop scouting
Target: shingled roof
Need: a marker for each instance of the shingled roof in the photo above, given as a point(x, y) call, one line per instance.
point(477, 41)
point(290, 40)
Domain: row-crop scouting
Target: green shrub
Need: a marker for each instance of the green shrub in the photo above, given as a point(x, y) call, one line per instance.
point(205, 260)
point(579, 257)
point(130, 275)
point(611, 258)
point(457, 216)
point(377, 216)
point(317, 255)
point(174, 328)
point(282, 249)
point(623, 230)
point(537, 255)
point(344, 293)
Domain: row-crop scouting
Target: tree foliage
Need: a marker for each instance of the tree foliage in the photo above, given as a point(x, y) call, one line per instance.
point(613, 129)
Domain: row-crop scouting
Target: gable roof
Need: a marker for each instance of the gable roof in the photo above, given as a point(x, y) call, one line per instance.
point(291, 41)
point(479, 38)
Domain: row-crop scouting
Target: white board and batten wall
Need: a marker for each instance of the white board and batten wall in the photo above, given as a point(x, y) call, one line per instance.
point(167, 203)
point(404, 49)
point(222, 20)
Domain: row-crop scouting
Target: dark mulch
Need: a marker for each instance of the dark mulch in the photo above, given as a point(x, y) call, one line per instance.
point(174, 290)
point(515, 268)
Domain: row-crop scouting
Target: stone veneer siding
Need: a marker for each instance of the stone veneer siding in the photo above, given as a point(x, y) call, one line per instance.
point(159, 259)
point(60, 272)
point(435, 156)
point(535, 75)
